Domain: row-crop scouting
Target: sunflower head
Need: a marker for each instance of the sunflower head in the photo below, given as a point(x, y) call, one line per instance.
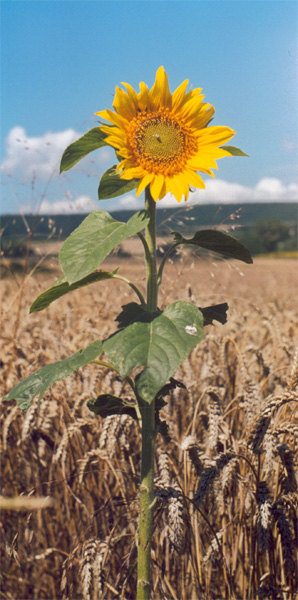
point(163, 139)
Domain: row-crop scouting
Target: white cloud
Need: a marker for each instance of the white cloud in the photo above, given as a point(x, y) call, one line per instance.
point(268, 189)
point(39, 156)
point(131, 202)
point(217, 191)
point(288, 145)
point(82, 204)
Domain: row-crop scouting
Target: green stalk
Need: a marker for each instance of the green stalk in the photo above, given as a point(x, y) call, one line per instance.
point(163, 262)
point(148, 426)
point(133, 287)
point(150, 236)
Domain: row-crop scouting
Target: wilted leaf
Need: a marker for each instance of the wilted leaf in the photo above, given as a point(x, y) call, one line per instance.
point(133, 312)
point(218, 312)
point(106, 405)
point(172, 385)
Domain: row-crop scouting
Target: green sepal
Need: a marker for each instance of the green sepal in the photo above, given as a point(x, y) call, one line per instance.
point(61, 287)
point(90, 243)
point(106, 405)
point(92, 140)
point(160, 346)
point(111, 185)
point(234, 151)
point(216, 241)
point(38, 383)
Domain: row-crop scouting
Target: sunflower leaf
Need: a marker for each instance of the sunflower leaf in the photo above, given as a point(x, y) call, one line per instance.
point(216, 241)
point(92, 140)
point(159, 346)
point(61, 287)
point(89, 244)
point(234, 151)
point(111, 185)
point(38, 383)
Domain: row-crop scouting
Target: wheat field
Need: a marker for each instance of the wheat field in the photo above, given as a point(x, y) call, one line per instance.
point(225, 523)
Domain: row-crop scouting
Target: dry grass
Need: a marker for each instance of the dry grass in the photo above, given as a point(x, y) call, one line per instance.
point(226, 512)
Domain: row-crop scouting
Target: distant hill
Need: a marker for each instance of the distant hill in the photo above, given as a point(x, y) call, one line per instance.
point(185, 216)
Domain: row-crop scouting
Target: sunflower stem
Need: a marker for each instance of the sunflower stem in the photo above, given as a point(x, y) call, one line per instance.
point(150, 237)
point(148, 426)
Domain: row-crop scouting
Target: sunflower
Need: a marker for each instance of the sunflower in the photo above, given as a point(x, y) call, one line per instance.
point(162, 139)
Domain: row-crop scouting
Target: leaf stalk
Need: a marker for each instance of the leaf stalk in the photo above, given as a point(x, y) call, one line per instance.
point(133, 287)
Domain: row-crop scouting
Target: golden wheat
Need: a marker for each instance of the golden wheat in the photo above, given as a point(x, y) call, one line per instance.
point(225, 521)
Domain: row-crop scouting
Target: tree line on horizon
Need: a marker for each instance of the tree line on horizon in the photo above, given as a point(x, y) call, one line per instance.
point(262, 228)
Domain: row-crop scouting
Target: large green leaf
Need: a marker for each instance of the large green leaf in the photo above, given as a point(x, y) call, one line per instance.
point(111, 185)
point(160, 346)
point(62, 287)
point(234, 151)
point(214, 240)
point(37, 383)
point(89, 244)
point(92, 140)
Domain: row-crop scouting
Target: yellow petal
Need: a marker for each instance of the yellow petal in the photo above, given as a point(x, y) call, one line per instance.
point(194, 179)
point(146, 180)
point(163, 191)
point(115, 133)
point(156, 186)
point(104, 114)
point(179, 95)
point(177, 187)
point(202, 118)
point(215, 135)
point(132, 94)
point(160, 94)
point(124, 105)
point(143, 97)
point(202, 161)
point(113, 117)
point(192, 106)
point(133, 173)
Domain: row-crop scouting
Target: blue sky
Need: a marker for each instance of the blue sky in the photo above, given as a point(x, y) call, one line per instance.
point(61, 61)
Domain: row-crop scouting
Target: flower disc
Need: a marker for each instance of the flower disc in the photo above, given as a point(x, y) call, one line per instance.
point(163, 138)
